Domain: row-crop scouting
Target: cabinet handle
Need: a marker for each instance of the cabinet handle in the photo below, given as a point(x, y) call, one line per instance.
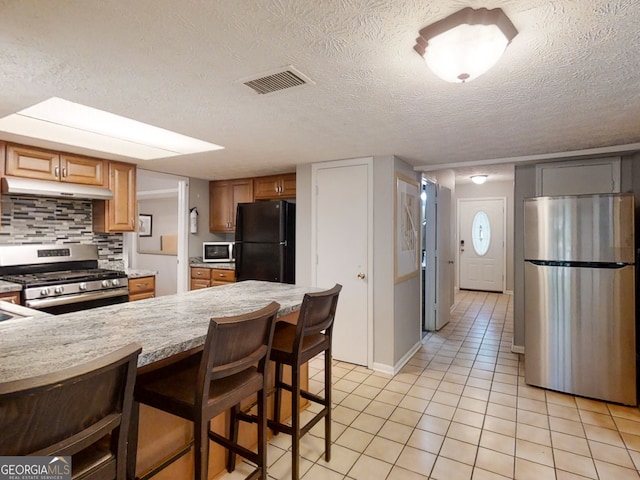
point(221, 274)
point(56, 172)
point(142, 284)
point(64, 171)
point(198, 273)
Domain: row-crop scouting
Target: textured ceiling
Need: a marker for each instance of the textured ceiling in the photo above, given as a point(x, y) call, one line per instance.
point(569, 80)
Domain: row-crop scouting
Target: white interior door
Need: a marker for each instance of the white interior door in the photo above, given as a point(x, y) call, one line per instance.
point(438, 285)
point(342, 226)
point(444, 257)
point(481, 244)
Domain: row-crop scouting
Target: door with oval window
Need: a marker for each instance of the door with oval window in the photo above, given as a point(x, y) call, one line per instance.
point(481, 244)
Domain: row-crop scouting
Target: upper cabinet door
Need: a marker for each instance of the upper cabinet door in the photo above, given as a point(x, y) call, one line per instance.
point(119, 213)
point(32, 163)
point(275, 186)
point(122, 208)
point(219, 206)
point(241, 192)
point(224, 196)
point(29, 162)
point(88, 171)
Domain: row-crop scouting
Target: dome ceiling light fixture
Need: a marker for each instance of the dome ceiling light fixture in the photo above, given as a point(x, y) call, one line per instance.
point(479, 179)
point(463, 46)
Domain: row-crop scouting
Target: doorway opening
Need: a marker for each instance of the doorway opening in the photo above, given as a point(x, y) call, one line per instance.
point(437, 259)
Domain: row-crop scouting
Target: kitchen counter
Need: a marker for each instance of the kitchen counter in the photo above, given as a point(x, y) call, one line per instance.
point(19, 313)
point(6, 287)
point(221, 265)
point(139, 272)
point(164, 326)
point(130, 272)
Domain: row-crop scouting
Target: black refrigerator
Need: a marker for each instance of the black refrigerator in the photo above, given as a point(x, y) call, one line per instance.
point(265, 246)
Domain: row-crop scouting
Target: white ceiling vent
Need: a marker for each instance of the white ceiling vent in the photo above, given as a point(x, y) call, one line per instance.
point(281, 79)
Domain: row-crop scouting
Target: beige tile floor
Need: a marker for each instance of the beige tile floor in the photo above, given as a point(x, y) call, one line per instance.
point(460, 410)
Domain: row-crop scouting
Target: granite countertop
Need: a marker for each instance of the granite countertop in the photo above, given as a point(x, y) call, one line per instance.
point(139, 272)
point(197, 262)
point(163, 325)
point(6, 287)
point(130, 272)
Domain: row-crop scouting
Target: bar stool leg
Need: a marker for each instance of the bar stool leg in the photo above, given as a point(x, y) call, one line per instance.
point(201, 448)
point(278, 395)
point(262, 433)
point(132, 443)
point(233, 436)
point(295, 423)
point(327, 399)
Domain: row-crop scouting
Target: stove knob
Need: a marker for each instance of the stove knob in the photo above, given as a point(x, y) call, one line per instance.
point(82, 286)
point(59, 290)
point(115, 282)
point(106, 283)
point(44, 292)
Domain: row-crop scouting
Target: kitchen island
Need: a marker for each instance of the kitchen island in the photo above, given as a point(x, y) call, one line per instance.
point(165, 327)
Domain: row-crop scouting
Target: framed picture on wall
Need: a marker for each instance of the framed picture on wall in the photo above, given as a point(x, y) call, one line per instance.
point(145, 224)
point(407, 228)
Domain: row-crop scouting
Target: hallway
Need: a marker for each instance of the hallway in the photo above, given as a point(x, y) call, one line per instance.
point(460, 410)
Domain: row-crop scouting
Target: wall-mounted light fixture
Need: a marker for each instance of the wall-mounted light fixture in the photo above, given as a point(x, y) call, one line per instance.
point(479, 179)
point(465, 45)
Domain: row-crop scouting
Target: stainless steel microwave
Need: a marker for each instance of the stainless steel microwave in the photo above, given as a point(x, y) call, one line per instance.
point(217, 251)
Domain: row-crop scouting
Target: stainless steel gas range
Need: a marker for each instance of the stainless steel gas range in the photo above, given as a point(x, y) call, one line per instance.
point(61, 278)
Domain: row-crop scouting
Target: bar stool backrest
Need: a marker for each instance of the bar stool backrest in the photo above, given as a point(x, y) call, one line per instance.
point(64, 412)
point(317, 313)
point(235, 344)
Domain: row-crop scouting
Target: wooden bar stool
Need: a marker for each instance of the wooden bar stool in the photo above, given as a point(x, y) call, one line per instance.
point(230, 369)
point(82, 411)
point(295, 345)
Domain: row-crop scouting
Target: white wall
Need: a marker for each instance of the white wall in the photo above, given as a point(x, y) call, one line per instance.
point(407, 300)
point(396, 307)
point(303, 225)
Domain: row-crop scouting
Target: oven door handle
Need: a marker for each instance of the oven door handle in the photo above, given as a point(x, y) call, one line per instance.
point(82, 297)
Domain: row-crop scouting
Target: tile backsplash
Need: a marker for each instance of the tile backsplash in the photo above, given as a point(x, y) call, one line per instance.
point(35, 220)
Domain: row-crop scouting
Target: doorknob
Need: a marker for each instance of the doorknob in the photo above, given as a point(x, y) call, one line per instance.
point(361, 276)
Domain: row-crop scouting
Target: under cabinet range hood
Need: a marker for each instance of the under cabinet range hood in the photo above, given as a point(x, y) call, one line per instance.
point(46, 188)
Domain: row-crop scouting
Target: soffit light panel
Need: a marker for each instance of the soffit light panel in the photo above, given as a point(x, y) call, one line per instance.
point(463, 46)
point(61, 121)
point(479, 179)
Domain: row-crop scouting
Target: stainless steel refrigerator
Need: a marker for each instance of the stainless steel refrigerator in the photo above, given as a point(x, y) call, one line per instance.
point(579, 295)
point(265, 241)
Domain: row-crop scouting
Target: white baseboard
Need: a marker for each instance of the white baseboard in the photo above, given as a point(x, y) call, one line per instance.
point(517, 348)
point(388, 369)
point(382, 368)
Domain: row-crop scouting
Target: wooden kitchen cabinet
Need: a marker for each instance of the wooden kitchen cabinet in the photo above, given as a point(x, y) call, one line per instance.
point(141, 288)
point(220, 276)
point(210, 277)
point(117, 214)
point(224, 197)
point(11, 297)
point(200, 278)
point(274, 186)
point(30, 162)
point(3, 157)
